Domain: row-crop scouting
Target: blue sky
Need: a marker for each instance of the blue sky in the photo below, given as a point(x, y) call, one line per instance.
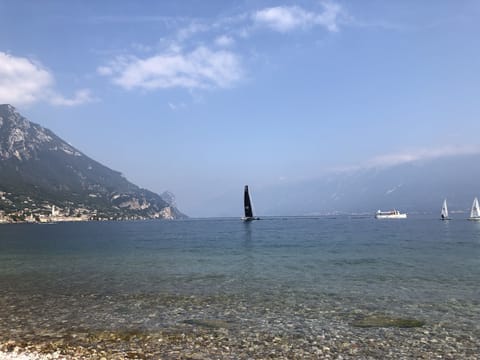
point(201, 97)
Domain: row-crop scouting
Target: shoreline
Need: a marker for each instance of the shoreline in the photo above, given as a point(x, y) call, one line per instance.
point(213, 339)
point(19, 355)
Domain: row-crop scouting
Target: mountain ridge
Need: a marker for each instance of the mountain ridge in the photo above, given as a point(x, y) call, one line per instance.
point(417, 186)
point(37, 166)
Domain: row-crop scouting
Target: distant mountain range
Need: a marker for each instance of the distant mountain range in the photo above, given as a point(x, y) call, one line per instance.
point(415, 187)
point(38, 170)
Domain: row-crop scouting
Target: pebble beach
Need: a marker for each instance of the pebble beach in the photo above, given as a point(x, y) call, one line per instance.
point(213, 328)
point(220, 343)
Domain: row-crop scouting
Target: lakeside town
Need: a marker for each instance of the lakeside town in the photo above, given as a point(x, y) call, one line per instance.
point(14, 210)
point(52, 214)
point(23, 209)
point(43, 216)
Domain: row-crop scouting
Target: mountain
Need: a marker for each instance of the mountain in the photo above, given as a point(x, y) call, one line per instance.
point(169, 198)
point(38, 170)
point(414, 187)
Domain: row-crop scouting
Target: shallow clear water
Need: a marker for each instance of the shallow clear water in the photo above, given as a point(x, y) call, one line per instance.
point(157, 274)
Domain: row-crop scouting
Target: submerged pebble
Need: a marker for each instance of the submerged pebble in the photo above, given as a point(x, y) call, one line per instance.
point(225, 327)
point(387, 321)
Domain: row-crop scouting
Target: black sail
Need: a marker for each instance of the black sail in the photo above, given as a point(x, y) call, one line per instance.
point(247, 204)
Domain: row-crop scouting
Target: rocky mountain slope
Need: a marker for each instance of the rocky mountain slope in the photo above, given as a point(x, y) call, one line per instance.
point(38, 169)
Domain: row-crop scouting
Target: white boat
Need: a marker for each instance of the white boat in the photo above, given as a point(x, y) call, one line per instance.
point(247, 206)
point(475, 212)
point(392, 214)
point(444, 212)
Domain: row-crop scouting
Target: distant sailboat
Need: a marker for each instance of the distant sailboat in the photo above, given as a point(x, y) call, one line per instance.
point(475, 212)
point(247, 205)
point(444, 213)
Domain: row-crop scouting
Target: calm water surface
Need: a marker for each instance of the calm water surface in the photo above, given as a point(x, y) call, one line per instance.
point(157, 274)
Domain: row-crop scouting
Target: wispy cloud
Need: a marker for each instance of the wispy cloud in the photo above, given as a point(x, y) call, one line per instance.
point(81, 97)
point(288, 18)
point(191, 29)
point(421, 154)
point(131, 19)
point(224, 41)
point(200, 68)
point(200, 54)
point(410, 156)
point(330, 16)
point(24, 81)
point(176, 106)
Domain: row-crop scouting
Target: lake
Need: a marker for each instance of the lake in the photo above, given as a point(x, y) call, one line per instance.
point(221, 288)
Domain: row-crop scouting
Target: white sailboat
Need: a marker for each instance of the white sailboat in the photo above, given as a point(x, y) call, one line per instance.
point(444, 212)
point(475, 212)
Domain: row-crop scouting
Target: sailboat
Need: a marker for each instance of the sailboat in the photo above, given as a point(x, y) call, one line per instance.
point(444, 212)
point(247, 205)
point(475, 212)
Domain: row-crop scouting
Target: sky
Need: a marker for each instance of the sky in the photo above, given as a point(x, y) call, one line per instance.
point(201, 97)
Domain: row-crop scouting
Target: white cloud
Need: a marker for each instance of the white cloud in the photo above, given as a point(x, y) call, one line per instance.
point(288, 18)
point(284, 18)
point(23, 81)
point(201, 68)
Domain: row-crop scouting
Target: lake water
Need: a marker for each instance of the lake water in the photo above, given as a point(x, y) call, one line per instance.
point(283, 276)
